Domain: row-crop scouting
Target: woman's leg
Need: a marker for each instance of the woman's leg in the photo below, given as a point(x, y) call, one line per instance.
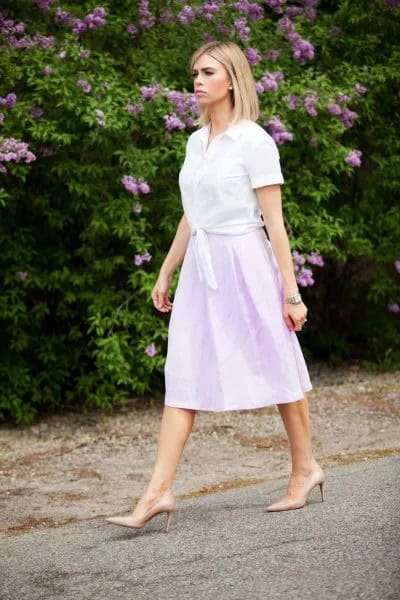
point(175, 428)
point(296, 419)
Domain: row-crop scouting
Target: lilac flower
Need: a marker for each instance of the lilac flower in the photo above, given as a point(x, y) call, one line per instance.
point(9, 100)
point(276, 5)
point(397, 265)
point(309, 104)
point(394, 308)
point(84, 53)
point(147, 93)
point(272, 54)
point(253, 56)
point(134, 108)
point(278, 131)
point(187, 15)
point(360, 89)
point(348, 117)
point(130, 184)
point(1, 117)
point(304, 277)
point(13, 150)
point(270, 81)
point(259, 87)
point(146, 17)
point(173, 122)
point(335, 109)
point(35, 112)
point(134, 185)
point(242, 29)
point(151, 349)
point(298, 258)
point(343, 98)
point(335, 31)
point(354, 158)
point(22, 275)
point(314, 258)
point(44, 4)
point(139, 259)
point(47, 70)
point(84, 85)
point(302, 49)
point(132, 29)
point(137, 207)
point(3, 169)
point(292, 101)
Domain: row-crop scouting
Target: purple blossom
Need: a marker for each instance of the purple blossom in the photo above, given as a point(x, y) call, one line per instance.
point(309, 104)
point(243, 29)
point(335, 31)
point(84, 53)
point(137, 207)
point(9, 100)
point(276, 5)
point(139, 259)
point(314, 258)
point(298, 258)
point(134, 108)
point(35, 112)
point(44, 4)
point(394, 308)
point(360, 89)
point(133, 185)
point(270, 81)
point(173, 122)
point(304, 277)
point(397, 265)
point(343, 98)
point(13, 150)
point(187, 15)
point(354, 158)
point(292, 101)
point(253, 56)
point(47, 70)
point(84, 85)
point(272, 54)
point(278, 130)
point(132, 29)
point(151, 349)
point(148, 93)
point(347, 117)
point(335, 109)
point(1, 117)
point(146, 17)
point(22, 275)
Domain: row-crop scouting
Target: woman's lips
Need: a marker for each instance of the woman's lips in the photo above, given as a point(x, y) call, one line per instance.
point(199, 93)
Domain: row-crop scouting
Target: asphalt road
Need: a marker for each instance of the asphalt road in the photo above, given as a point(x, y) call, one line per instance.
point(227, 546)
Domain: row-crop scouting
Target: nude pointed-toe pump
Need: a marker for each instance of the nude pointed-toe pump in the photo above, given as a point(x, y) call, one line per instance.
point(315, 478)
point(166, 504)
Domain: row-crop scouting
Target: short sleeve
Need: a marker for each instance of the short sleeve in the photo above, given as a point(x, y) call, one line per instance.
point(261, 159)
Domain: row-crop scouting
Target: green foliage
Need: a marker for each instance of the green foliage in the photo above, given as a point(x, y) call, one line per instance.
point(75, 330)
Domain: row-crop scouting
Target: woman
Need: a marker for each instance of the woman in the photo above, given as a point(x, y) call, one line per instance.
point(232, 342)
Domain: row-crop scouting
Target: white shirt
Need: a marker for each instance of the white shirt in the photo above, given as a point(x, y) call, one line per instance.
point(217, 185)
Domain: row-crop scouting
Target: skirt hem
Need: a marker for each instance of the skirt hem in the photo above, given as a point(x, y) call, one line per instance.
point(227, 409)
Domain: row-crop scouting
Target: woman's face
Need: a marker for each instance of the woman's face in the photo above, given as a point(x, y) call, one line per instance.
point(211, 78)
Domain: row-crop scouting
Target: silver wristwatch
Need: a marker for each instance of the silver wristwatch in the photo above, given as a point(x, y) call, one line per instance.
point(296, 299)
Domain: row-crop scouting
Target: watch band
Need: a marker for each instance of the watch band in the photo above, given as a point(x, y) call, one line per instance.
point(295, 299)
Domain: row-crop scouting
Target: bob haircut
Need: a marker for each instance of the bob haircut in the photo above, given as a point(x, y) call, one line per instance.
point(244, 95)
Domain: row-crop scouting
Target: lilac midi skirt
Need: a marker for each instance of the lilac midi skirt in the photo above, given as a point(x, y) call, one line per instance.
point(229, 348)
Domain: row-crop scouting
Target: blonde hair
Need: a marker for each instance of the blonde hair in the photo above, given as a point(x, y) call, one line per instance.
point(244, 95)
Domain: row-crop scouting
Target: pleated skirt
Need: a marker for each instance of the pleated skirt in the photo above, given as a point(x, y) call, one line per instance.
point(229, 348)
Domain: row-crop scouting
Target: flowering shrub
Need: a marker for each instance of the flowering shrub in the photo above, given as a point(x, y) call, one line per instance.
point(93, 112)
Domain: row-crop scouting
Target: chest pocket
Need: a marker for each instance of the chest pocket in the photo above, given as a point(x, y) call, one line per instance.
point(230, 168)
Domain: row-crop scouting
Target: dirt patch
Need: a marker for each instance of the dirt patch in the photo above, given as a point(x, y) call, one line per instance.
point(72, 467)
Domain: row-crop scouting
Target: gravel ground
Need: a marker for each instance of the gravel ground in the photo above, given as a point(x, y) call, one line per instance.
point(72, 467)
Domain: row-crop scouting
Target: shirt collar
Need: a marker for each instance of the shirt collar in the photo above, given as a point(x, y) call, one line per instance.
point(233, 131)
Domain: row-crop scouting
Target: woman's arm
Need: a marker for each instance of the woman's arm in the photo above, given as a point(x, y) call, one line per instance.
point(270, 203)
point(177, 249)
point(173, 259)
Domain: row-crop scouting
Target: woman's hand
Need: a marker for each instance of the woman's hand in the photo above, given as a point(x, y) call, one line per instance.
point(295, 315)
point(159, 293)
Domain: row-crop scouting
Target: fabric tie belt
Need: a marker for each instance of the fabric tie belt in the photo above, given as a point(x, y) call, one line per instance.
point(202, 249)
point(203, 257)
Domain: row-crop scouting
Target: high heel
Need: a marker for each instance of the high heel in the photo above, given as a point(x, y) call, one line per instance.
point(316, 477)
point(166, 504)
